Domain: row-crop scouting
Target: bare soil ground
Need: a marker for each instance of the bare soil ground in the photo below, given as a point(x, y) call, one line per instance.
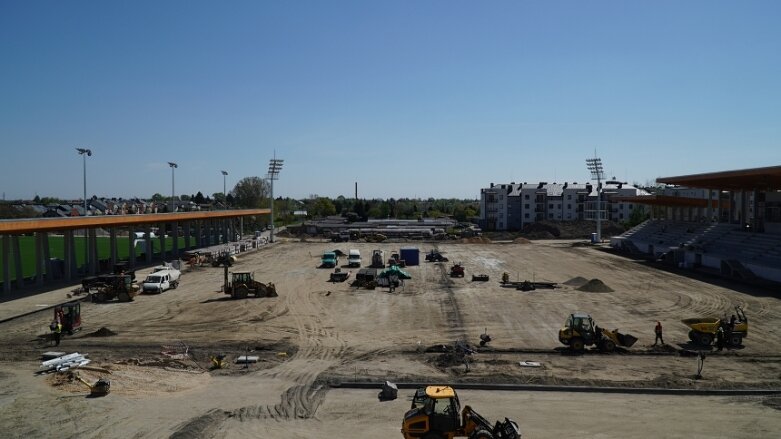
point(318, 333)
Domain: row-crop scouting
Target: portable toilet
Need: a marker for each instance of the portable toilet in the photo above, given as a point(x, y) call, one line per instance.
point(410, 255)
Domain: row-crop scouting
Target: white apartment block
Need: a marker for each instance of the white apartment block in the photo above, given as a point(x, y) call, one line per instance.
point(512, 206)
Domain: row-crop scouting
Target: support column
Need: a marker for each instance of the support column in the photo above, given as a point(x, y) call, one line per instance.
point(17, 261)
point(743, 209)
point(6, 263)
point(148, 244)
point(38, 259)
point(131, 250)
point(187, 237)
point(92, 242)
point(67, 255)
point(47, 258)
point(754, 211)
point(175, 234)
point(162, 242)
point(718, 206)
point(198, 237)
point(113, 246)
point(709, 209)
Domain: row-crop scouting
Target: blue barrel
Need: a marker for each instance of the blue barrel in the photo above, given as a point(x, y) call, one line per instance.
point(594, 239)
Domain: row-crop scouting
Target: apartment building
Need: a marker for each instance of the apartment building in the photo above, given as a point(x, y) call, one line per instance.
point(512, 206)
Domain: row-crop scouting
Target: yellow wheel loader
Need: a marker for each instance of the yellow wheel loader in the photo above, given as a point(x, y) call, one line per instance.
point(436, 414)
point(580, 331)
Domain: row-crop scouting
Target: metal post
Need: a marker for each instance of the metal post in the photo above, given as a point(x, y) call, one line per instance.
point(595, 166)
point(274, 166)
point(84, 153)
point(224, 193)
point(173, 192)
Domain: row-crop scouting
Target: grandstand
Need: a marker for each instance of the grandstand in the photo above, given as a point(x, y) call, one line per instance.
point(738, 234)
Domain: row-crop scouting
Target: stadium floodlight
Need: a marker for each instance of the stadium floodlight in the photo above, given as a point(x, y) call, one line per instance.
point(84, 153)
point(595, 166)
point(173, 192)
point(224, 194)
point(274, 166)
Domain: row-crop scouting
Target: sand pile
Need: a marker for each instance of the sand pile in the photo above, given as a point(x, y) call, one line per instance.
point(576, 282)
point(595, 286)
point(475, 240)
point(102, 332)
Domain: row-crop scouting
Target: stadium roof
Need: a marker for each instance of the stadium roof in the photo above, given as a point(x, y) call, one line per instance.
point(768, 178)
point(670, 201)
point(81, 222)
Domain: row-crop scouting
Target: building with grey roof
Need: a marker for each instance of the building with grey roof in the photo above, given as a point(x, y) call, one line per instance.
point(509, 207)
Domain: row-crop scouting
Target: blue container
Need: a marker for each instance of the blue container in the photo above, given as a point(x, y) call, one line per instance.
point(594, 239)
point(410, 255)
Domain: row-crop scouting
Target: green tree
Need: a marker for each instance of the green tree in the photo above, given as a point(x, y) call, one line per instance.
point(157, 198)
point(250, 193)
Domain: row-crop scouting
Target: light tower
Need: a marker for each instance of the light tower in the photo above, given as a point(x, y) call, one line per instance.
point(84, 153)
point(595, 166)
point(224, 194)
point(274, 166)
point(173, 192)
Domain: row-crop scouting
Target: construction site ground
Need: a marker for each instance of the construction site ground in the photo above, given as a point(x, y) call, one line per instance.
point(317, 334)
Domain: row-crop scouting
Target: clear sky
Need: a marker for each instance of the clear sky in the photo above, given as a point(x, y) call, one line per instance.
point(408, 98)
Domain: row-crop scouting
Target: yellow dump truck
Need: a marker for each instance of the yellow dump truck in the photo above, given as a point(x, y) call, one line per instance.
point(703, 330)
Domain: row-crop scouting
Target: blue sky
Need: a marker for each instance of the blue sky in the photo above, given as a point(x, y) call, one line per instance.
point(408, 98)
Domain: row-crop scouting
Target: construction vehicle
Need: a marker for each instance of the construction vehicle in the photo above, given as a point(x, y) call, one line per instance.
point(457, 270)
point(340, 276)
point(222, 258)
point(703, 330)
point(436, 413)
point(580, 330)
point(329, 260)
point(354, 258)
point(102, 386)
point(69, 316)
point(378, 259)
point(218, 361)
point(435, 256)
point(243, 283)
point(113, 286)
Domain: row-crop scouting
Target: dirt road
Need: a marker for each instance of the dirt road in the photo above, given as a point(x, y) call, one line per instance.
point(318, 332)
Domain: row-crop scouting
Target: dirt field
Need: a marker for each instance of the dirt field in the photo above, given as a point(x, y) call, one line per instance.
point(317, 332)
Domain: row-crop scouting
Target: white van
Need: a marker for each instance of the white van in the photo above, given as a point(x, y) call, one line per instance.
point(354, 258)
point(160, 281)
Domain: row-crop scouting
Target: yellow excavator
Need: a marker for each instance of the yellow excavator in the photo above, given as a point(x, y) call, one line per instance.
point(436, 414)
point(580, 330)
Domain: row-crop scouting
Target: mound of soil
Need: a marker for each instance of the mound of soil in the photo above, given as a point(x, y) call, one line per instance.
point(521, 240)
point(595, 286)
point(576, 282)
point(475, 240)
point(568, 229)
point(102, 332)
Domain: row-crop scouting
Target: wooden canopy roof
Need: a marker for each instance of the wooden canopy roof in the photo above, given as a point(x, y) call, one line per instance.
point(83, 222)
point(768, 178)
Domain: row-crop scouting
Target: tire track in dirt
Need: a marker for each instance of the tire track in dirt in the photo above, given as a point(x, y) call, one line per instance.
point(319, 349)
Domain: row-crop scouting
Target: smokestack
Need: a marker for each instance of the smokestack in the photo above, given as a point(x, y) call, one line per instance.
point(356, 191)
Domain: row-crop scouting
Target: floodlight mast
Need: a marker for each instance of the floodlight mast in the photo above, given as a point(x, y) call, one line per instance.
point(173, 193)
point(84, 153)
point(595, 166)
point(274, 166)
point(224, 194)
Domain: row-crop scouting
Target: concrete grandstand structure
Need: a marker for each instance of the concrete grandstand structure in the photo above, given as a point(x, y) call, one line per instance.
point(196, 229)
point(509, 207)
point(729, 222)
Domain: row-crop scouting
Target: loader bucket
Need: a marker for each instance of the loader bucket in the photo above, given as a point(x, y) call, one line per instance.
point(626, 340)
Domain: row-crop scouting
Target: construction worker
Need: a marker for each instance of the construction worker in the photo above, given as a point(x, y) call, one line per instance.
point(56, 328)
point(658, 332)
point(720, 338)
